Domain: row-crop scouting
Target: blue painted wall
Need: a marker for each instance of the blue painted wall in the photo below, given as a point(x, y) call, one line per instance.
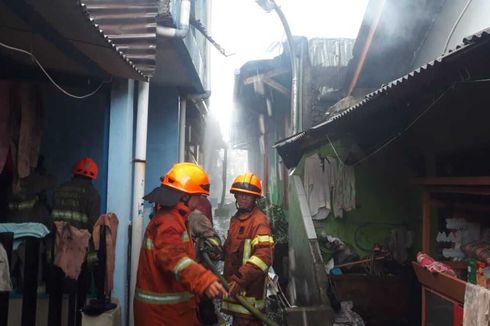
point(162, 148)
point(75, 129)
point(120, 180)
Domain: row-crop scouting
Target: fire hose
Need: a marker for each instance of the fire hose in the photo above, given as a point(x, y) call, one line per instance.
point(254, 311)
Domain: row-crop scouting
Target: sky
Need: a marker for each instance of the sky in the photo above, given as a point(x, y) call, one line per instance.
point(242, 27)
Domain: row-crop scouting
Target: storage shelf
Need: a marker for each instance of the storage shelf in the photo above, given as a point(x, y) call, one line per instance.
point(448, 286)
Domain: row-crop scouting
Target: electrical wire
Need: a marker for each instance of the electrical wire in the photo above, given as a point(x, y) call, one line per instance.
point(392, 139)
point(79, 97)
point(456, 25)
point(335, 151)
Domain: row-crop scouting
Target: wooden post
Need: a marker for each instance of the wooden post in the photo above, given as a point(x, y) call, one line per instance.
point(29, 298)
point(426, 207)
point(6, 239)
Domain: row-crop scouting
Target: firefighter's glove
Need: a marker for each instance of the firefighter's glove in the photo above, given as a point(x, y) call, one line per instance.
point(215, 290)
point(235, 285)
point(234, 289)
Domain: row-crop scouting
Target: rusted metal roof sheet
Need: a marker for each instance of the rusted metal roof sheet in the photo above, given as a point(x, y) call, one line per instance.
point(130, 27)
point(292, 148)
point(331, 52)
point(65, 37)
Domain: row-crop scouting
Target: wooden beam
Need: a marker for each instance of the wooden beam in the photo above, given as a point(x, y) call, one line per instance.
point(277, 86)
point(269, 74)
point(426, 207)
point(460, 190)
point(460, 205)
point(453, 181)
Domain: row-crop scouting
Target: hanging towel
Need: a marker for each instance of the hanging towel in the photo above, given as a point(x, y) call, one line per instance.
point(71, 247)
point(111, 222)
point(5, 282)
point(22, 230)
point(4, 122)
point(316, 185)
point(476, 306)
point(349, 186)
point(31, 129)
point(343, 188)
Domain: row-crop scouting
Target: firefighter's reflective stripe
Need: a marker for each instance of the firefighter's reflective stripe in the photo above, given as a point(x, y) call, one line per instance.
point(182, 264)
point(148, 244)
point(231, 305)
point(69, 215)
point(214, 241)
point(20, 205)
point(258, 262)
point(246, 251)
point(262, 239)
point(185, 236)
point(162, 298)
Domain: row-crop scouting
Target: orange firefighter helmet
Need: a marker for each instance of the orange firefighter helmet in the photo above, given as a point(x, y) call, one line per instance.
point(86, 167)
point(247, 183)
point(187, 177)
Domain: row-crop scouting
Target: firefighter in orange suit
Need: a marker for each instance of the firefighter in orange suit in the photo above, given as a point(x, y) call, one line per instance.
point(248, 251)
point(169, 280)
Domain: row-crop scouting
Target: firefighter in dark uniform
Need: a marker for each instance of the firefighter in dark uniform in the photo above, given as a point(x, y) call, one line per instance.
point(77, 202)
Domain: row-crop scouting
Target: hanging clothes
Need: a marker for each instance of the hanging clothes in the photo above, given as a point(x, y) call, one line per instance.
point(476, 306)
point(110, 221)
point(71, 247)
point(344, 191)
point(349, 188)
point(316, 182)
point(337, 172)
point(329, 186)
point(5, 282)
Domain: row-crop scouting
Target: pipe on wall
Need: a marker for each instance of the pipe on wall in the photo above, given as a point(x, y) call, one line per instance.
point(182, 129)
point(294, 70)
point(182, 24)
point(360, 64)
point(139, 163)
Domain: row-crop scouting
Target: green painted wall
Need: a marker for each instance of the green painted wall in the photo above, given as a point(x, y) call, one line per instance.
point(383, 196)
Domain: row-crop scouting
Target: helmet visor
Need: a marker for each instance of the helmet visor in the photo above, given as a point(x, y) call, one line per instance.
point(164, 196)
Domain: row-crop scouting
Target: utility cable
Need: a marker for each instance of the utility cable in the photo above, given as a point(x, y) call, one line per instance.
point(335, 151)
point(398, 135)
point(79, 97)
point(456, 25)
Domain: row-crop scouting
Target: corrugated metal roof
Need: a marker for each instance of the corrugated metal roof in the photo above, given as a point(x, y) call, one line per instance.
point(64, 38)
point(130, 27)
point(286, 146)
point(412, 76)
